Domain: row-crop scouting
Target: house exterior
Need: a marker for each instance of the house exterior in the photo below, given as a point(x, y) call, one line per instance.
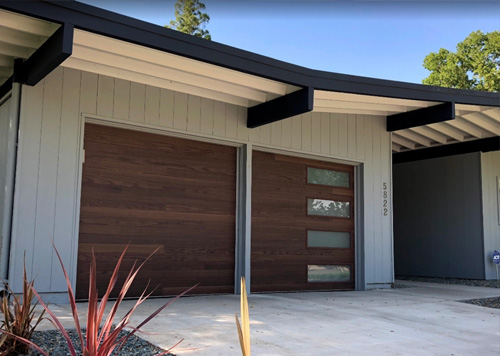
point(224, 162)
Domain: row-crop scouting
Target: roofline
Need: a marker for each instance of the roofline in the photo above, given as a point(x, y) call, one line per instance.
point(121, 27)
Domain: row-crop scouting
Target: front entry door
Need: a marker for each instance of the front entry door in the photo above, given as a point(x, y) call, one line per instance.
point(302, 224)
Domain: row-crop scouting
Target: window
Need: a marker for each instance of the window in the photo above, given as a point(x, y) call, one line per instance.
point(328, 239)
point(328, 177)
point(322, 207)
point(328, 273)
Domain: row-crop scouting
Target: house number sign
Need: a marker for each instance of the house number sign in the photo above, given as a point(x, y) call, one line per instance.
point(385, 195)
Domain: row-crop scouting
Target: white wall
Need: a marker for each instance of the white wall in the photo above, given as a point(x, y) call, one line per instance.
point(4, 132)
point(490, 170)
point(47, 176)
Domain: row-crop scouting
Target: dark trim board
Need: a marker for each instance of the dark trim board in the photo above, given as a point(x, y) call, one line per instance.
point(482, 145)
point(421, 117)
point(286, 106)
point(125, 28)
point(49, 56)
point(6, 87)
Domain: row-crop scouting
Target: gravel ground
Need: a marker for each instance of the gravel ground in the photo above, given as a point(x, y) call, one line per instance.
point(54, 343)
point(463, 282)
point(485, 302)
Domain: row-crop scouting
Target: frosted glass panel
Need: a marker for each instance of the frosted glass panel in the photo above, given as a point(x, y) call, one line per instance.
point(322, 207)
point(317, 273)
point(328, 239)
point(327, 177)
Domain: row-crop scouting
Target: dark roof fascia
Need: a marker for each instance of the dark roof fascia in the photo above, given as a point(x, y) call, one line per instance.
point(100, 21)
point(482, 145)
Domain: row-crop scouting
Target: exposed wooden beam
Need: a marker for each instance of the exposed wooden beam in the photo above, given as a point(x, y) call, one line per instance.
point(396, 147)
point(358, 98)
point(483, 145)
point(19, 38)
point(289, 105)
point(5, 72)
point(431, 134)
point(464, 126)
point(421, 117)
point(448, 131)
point(153, 81)
point(137, 66)
point(49, 56)
point(465, 107)
point(15, 51)
point(403, 142)
point(414, 137)
point(483, 122)
point(27, 24)
point(493, 114)
point(358, 105)
point(350, 111)
point(6, 61)
point(150, 55)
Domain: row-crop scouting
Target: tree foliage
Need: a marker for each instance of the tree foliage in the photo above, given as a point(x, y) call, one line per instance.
point(191, 18)
point(475, 65)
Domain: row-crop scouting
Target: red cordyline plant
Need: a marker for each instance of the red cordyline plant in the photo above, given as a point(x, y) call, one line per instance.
point(19, 318)
point(101, 340)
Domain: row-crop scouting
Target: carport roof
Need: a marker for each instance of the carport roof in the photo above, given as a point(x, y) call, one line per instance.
point(111, 44)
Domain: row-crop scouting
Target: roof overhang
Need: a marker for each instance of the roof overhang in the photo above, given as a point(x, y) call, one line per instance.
point(122, 47)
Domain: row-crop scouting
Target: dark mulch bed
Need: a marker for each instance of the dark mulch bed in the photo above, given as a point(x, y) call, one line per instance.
point(484, 302)
point(54, 343)
point(463, 282)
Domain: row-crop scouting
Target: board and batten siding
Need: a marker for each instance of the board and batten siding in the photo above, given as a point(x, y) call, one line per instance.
point(490, 173)
point(4, 139)
point(47, 202)
point(437, 217)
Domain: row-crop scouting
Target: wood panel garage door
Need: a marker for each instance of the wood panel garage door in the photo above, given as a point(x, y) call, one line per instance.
point(158, 191)
point(302, 224)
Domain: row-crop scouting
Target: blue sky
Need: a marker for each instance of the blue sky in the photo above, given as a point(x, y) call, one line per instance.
point(380, 39)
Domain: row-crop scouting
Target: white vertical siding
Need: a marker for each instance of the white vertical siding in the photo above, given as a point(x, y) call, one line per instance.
point(4, 132)
point(47, 176)
point(490, 170)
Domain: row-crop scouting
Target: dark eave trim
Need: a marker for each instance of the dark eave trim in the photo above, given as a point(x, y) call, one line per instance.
point(421, 117)
point(6, 87)
point(286, 106)
point(93, 19)
point(49, 56)
point(482, 145)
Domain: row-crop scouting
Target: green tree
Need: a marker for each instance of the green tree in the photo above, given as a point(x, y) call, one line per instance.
point(475, 65)
point(191, 18)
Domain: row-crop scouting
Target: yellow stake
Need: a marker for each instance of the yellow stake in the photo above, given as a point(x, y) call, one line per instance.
point(244, 329)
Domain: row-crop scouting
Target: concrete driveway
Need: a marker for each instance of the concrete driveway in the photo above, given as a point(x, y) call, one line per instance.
point(424, 319)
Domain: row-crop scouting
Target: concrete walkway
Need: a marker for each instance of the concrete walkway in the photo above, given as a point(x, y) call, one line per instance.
point(422, 320)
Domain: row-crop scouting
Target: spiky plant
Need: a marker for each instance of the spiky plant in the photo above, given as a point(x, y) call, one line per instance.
point(100, 340)
point(20, 318)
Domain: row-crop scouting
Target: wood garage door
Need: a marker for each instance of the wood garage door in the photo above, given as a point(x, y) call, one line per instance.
point(157, 191)
point(302, 224)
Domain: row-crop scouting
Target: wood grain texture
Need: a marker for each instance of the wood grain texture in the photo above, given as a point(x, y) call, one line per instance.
point(280, 222)
point(156, 191)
